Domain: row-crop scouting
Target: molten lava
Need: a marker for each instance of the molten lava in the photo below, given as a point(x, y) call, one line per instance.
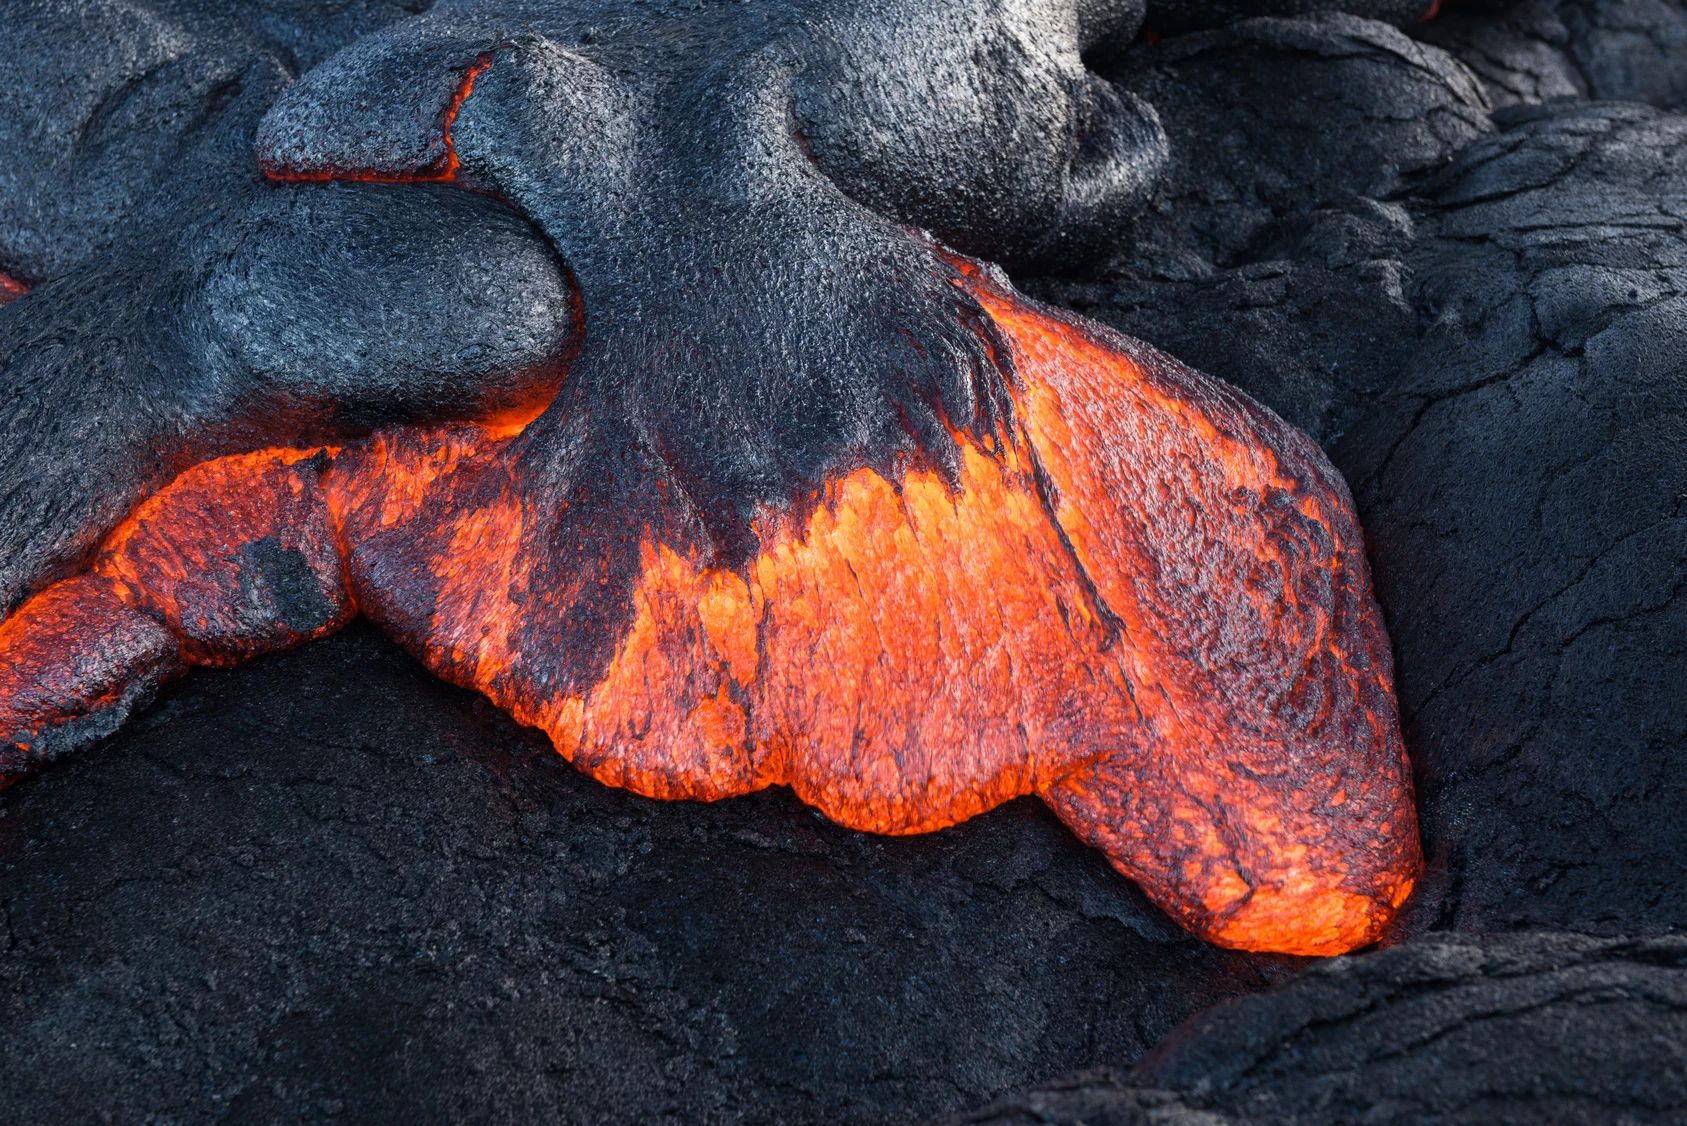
point(1146, 603)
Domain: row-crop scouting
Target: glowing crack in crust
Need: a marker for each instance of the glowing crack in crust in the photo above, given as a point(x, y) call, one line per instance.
point(833, 509)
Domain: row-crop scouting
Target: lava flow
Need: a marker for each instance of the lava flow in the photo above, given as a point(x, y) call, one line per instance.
point(1148, 604)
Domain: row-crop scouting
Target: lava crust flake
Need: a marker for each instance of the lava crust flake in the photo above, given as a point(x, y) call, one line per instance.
point(803, 497)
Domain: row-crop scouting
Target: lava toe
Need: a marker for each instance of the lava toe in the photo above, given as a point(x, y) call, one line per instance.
point(74, 662)
point(1265, 800)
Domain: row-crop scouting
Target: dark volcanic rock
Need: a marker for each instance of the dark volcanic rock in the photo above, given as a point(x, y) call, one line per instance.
point(305, 32)
point(1313, 334)
point(1271, 119)
point(1273, 253)
point(1527, 1029)
point(326, 883)
point(1192, 15)
point(1525, 490)
point(1629, 50)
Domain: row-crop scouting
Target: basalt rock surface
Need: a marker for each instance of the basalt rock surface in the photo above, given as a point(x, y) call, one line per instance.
point(106, 103)
point(1164, 16)
point(1525, 491)
point(1273, 252)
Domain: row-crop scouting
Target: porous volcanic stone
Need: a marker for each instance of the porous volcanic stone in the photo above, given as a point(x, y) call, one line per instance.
point(328, 884)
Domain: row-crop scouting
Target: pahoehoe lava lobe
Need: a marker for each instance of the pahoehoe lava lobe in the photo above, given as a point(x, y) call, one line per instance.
point(758, 486)
point(325, 883)
point(1508, 409)
point(118, 116)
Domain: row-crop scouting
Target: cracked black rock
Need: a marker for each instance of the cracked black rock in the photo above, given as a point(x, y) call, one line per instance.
point(1526, 493)
point(1525, 1029)
point(1272, 254)
point(1538, 50)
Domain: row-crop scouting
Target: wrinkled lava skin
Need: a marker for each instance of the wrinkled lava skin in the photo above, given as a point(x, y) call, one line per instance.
point(772, 490)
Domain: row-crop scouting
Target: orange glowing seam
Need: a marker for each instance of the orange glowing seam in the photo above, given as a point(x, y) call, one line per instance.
point(10, 290)
point(1148, 605)
point(443, 170)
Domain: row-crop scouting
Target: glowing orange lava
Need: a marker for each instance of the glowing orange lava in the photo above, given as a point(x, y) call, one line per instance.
point(10, 290)
point(1147, 604)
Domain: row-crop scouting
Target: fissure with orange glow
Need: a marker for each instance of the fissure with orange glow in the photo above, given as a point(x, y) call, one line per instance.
point(1147, 603)
point(443, 170)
